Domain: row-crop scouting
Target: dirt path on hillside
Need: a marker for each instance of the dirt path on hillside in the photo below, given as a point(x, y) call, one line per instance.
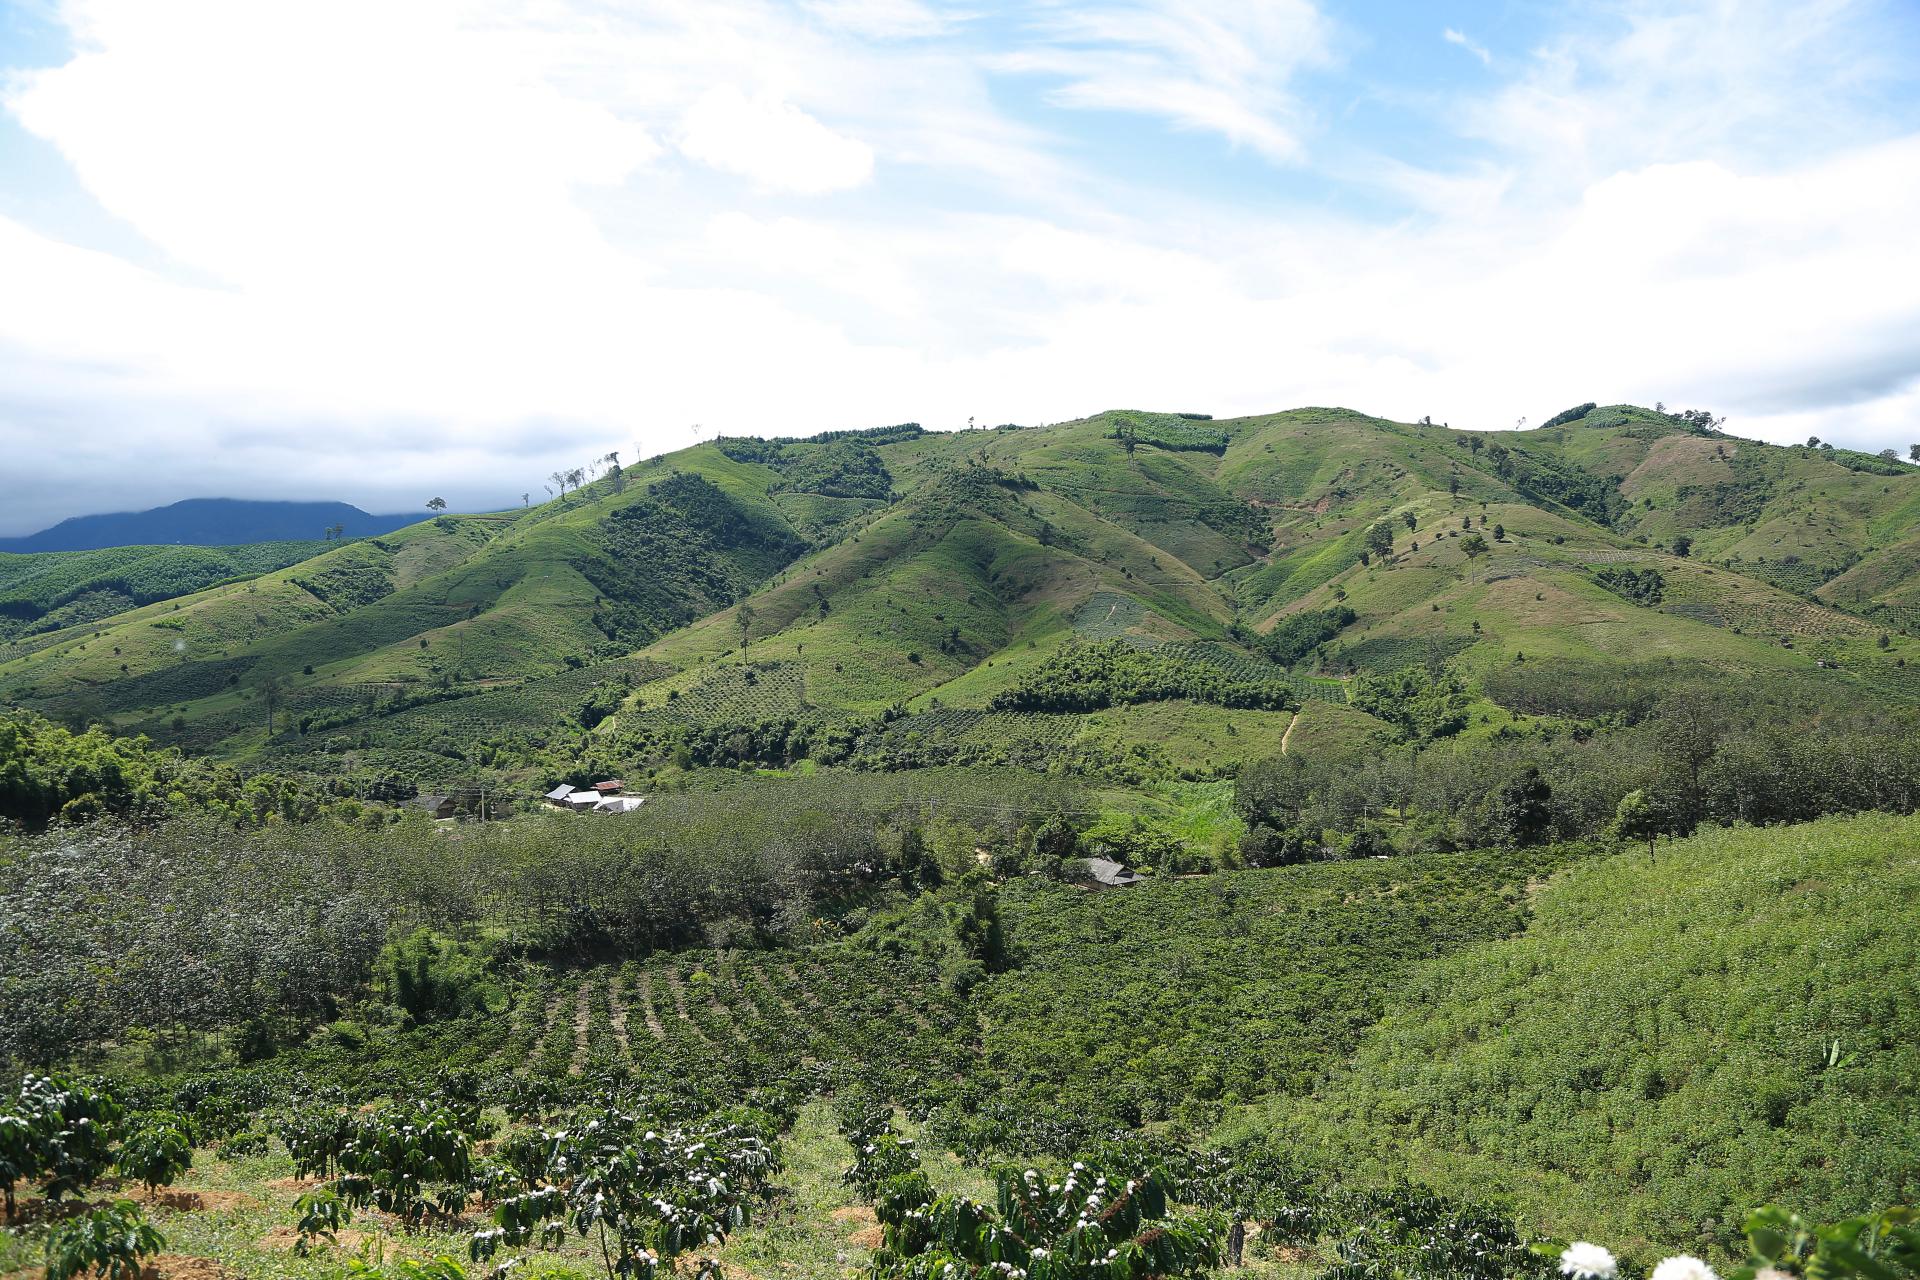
point(647, 1010)
point(1286, 738)
point(617, 1014)
point(582, 1016)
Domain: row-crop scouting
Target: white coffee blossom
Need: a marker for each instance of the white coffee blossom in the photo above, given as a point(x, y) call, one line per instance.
point(1583, 1261)
point(1684, 1267)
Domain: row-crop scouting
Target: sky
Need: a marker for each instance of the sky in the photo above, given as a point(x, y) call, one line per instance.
point(383, 250)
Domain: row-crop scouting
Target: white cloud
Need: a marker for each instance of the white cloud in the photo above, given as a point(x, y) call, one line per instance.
point(457, 245)
point(1472, 46)
point(1218, 66)
point(881, 19)
point(772, 142)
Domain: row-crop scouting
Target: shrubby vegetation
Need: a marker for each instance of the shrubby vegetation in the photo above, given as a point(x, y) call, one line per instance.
point(1088, 677)
point(844, 469)
point(1642, 586)
point(1169, 431)
point(1299, 634)
point(1695, 761)
point(1665, 1042)
point(48, 773)
point(1565, 416)
point(46, 590)
point(1420, 702)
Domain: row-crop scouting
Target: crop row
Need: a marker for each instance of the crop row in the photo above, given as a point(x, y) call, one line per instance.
point(736, 694)
point(804, 1017)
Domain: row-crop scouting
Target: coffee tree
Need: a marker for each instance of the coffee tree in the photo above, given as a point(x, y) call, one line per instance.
point(645, 1196)
point(58, 1133)
point(412, 1160)
point(110, 1241)
point(880, 1154)
point(156, 1150)
point(1080, 1227)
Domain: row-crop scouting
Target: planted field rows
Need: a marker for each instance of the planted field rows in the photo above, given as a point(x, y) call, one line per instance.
point(808, 1017)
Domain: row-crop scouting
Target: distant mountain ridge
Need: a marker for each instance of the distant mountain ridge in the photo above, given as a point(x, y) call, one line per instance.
point(208, 522)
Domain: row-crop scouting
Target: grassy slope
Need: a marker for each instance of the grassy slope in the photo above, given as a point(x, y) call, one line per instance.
point(469, 598)
point(46, 591)
point(1657, 1051)
point(978, 580)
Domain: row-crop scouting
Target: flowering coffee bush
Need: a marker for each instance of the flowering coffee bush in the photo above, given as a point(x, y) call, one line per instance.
point(1079, 1227)
point(647, 1196)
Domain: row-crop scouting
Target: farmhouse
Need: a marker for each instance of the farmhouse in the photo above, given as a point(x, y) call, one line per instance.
point(601, 797)
point(1108, 874)
point(619, 804)
point(434, 806)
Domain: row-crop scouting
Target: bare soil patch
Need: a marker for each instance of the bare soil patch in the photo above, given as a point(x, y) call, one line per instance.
point(193, 1200)
point(282, 1240)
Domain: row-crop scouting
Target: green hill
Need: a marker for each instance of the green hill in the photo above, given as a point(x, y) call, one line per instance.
point(1666, 1042)
point(46, 591)
point(898, 572)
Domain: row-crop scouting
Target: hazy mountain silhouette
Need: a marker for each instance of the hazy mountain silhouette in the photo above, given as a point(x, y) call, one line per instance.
point(208, 522)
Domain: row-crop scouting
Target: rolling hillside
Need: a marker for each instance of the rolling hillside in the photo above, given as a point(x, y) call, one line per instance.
point(1666, 1039)
point(904, 596)
point(47, 591)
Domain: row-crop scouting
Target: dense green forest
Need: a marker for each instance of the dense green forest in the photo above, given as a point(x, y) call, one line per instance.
point(1305, 845)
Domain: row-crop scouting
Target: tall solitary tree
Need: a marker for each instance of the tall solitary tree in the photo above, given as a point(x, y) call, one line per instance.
point(744, 618)
point(271, 690)
point(436, 504)
point(1639, 817)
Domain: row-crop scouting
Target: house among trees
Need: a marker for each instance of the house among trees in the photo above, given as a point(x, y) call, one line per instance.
point(619, 804)
point(601, 797)
point(433, 806)
point(1108, 874)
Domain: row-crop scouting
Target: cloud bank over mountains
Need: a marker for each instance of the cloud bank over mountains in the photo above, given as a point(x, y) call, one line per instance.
point(364, 250)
